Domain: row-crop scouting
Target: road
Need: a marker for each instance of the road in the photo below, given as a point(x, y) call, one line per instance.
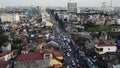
point(71, 57)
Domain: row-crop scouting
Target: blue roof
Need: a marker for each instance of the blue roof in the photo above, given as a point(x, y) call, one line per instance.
point(118, 42)
point(52, 43)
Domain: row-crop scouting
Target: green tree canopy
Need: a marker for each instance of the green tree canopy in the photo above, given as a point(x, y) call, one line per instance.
point(3, 39)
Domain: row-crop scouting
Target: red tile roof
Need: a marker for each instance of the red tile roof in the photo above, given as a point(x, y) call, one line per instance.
point(15, 51)
point(37, 41)
point(101, 45)
point(25, 48)
point(4, 53)
point(57, 53)
point(3, 64)
point(56, 66)
point(48, 52)
point(37, 56)
point(20, 35)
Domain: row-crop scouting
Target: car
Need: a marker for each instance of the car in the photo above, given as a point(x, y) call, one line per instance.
point(63, 36)
point(68, 54)
point(77, 60)
point(70, 49)
point(68, 40)
point(73, 63)
point(68, 46)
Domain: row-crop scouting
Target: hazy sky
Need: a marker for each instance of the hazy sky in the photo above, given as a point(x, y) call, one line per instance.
point(63, 3)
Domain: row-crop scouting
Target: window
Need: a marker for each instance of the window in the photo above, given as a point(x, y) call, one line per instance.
point(99, 49)
point(47, 56)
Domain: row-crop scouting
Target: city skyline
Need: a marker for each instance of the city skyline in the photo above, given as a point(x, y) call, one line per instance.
point(60, 3)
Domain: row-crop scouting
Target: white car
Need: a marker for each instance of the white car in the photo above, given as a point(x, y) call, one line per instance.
point(68, 46)
point(70, 49)
point(73, 62)
point(68, 54)
point(77, 60)
point(68, 40)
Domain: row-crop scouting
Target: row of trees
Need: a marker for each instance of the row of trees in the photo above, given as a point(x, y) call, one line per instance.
point(62, 24)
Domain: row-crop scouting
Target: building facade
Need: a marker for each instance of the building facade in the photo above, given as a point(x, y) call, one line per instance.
point(104, 48)
point(72, 7)
point(2, 7)
point(9, 17)
point(6, 56)
point(6, 46)
point(32, 63)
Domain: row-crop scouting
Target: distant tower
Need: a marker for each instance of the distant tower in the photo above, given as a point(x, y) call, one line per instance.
point(72, 7)
point(111, 6)
point(105, 8)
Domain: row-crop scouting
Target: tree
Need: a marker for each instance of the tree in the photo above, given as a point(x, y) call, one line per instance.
point(3, 39)
point(56, 17)
point(1, 23)
point(15, 47)
point(119, 37)
point(89, 24)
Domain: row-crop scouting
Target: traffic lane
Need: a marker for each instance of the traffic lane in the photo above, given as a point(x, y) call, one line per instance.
point(68, 59)
point(66, 48)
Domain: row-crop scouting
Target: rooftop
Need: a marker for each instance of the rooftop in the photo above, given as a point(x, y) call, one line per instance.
point(57, 53)
point(37, 56)
point(101, 45)
point(25, 48)
point(15, 51)
point(4, 64)
point(4, 53)
point(55, 63)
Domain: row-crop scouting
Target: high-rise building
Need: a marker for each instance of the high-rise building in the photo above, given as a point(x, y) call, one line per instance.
point(106, 8)
point(72, 7)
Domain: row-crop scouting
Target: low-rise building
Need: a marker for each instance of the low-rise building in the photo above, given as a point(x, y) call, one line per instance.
point(116, 29)
point(32, 61)
point(25, 50)
point(6, 55)
point(48, 24)
point(57, 55)
point(9, 17)
point(5, 64)
point(104, 48)
point(65, 18)
point(6, 46)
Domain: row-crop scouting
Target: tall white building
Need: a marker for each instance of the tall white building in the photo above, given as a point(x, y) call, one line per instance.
point(2, 7)
point(106, 8)
point(72, 7)
point(9, 17)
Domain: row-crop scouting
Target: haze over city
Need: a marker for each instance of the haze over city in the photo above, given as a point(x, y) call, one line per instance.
point(58, 3)
point(59, 33)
